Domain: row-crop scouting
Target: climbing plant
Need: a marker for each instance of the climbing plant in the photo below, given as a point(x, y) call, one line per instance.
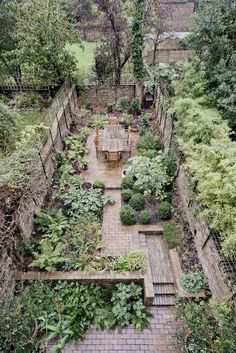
point(137, 41)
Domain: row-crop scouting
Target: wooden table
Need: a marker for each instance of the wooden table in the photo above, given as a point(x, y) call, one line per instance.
point(114, 139)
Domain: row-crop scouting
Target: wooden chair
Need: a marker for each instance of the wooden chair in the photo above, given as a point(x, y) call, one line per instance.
point(113, 157)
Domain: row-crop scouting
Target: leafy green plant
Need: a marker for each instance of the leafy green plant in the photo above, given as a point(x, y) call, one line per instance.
point(131, 261)
point(170, 163)
point(123, 103)
point(134, 106)
point(146, 216)
point(126, 119)
point(208, 326)
point(98, 184)
point(164, 210)
point(137, 202)
point(172, 235)
point(52, 224)
point(99, 122)
point(145, 123)
point(49, 256)
point(127, 216)
point(149, 145)
point(76, 147)
point(43, 310)
point(28, 100)
point(128, 307)
point(110, 108)
point(8, 133)
point(79, 202)
point(127, 183)
point(150, 175)
point(126, 195)
point(193, 282)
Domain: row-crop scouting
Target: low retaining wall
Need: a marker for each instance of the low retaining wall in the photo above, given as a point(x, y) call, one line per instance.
point(103, 278)
point(208, 253)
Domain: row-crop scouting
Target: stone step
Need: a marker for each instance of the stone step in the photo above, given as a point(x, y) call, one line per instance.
point(164, 300)
point(163, 288)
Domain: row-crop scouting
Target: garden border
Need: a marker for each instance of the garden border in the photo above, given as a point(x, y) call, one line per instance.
point(206, 241)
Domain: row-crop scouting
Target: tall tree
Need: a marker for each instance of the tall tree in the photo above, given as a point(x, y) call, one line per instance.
point(9, 58)
point(156, 14)
point(214, 41)
point(117, 40)
point(42, 31)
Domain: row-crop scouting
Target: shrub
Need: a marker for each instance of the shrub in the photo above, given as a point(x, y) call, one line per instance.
point(193, 282)
point(128, 216)
point(145, 123)
point(206, 324)
point(28, 100)
point(164, 210)
point(146, 216)
point(170, 163)
point(126, 195)
point(149, 174)
point(110, 108)
point(8, 131)
point(99, 122)
point(137, 202)
point(123, 103)
point(131, 261)
point(98, 184)
point(127, 183)
point(134, 106)
point(168, 196)
point(149, 142)
point(172, 235)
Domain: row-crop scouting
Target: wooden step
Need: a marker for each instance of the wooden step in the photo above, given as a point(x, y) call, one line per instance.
point(162, 289)
point(164, 300)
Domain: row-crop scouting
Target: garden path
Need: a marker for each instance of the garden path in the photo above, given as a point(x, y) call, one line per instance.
point(158, 337)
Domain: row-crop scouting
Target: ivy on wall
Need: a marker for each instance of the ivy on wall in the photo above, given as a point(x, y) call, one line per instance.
point(137, 41)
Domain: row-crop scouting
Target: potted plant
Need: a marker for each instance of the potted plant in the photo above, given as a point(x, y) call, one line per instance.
point(126, 120)
point(86, 186)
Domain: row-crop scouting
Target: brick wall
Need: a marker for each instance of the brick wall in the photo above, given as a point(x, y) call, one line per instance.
point(208, 254)
point(100, 96)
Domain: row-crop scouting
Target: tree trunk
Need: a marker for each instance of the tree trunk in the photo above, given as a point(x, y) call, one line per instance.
point(154, 54)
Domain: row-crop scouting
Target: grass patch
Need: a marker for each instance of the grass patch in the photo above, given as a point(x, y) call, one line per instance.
point(28, 118)
point(84, 55)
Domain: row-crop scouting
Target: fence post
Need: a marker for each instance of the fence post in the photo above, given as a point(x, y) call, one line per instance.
point(59, 128)
point(44, 170)
point(64, 113)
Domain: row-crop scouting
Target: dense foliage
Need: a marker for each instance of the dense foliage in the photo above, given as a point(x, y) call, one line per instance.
point(206, 327)
point(43, 310)
point(137, 40)
point(204, 137)
point(8, 133)
point(193, 282)
point(213, 40)
point(36, 47)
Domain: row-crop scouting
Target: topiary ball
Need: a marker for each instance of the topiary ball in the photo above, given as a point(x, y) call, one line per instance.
point(127, 183)
point(127, 216)
point(146, 217)
point(137, 201)
point(164, 210)
point(126, 195)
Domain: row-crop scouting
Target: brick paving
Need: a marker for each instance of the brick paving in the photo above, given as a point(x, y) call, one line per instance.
point(158, 337)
